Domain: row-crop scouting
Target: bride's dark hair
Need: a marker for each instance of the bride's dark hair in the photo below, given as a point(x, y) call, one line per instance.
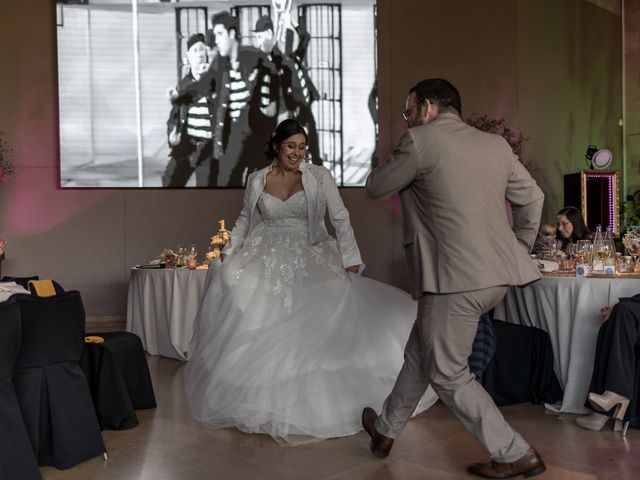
point(284, 130)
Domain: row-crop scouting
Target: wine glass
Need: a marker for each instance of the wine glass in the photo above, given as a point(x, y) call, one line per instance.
point(607, 254)
point(584, 250)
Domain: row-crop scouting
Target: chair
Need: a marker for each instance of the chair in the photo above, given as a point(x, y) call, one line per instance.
point(52, 390)
point(522, 367)
point(17, 460)
point(119, 379)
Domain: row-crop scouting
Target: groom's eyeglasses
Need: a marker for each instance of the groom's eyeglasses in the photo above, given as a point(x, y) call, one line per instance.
point(407, 113)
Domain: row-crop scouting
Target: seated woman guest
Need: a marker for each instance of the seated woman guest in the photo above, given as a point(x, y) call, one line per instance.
point(571, 227)
point(614, 370)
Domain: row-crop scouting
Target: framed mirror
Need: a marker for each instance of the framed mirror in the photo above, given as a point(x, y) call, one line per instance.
point(596, 193)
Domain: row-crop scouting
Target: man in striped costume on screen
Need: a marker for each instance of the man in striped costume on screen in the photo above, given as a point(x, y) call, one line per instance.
point(290, 80)
point(189, 127)
point(300, 91)
point(246, 113)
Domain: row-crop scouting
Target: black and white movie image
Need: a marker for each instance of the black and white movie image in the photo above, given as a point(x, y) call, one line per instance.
point(185, 93)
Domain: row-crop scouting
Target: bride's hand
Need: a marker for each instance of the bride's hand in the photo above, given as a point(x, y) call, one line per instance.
point(353, 268)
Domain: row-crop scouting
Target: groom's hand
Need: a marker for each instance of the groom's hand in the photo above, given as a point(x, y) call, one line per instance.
point(353, 268)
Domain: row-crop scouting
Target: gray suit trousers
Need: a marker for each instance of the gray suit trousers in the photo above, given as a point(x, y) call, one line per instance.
point(437, 353)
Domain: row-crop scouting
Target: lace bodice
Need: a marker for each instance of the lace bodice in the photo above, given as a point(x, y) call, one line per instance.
point(280, 244)
point(282, 213)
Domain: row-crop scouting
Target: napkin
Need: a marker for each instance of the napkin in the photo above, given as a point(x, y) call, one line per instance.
point(12, 287)
point(548, 265)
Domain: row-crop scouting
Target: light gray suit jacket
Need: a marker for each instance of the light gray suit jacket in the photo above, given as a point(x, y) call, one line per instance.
point(453, 181)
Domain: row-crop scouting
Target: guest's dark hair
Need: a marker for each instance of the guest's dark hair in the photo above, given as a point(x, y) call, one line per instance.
point(438, 91)
point(580, 229)
point(284, 130)
point(227, 20)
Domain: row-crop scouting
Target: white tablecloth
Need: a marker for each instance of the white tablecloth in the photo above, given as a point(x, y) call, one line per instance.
point(162, 307)
point(568, 308)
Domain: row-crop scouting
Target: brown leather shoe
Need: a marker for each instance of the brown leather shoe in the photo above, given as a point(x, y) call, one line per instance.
point(529, 465)
point(380, 445)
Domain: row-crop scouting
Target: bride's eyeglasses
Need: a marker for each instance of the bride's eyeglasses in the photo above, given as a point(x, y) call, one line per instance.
point(303, 147)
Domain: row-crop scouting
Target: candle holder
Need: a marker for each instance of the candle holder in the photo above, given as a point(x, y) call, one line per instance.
point(218, 241)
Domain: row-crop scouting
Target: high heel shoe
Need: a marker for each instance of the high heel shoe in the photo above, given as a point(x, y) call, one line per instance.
point(609, 400)
point(595, 421)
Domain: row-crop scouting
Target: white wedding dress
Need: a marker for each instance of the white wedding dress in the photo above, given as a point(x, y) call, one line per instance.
point(289, 344)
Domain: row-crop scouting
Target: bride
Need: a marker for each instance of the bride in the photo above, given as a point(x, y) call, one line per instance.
point(289, 340)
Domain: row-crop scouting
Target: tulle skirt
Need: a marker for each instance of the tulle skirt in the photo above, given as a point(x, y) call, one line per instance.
point(286, 343)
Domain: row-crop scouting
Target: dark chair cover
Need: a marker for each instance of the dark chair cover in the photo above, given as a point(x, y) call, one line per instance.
point(119, 379)
point(17, 460)
point(522, 367)
point(51, 388)
point(23, 281)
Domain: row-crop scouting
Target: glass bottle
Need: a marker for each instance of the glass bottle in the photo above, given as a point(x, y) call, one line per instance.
point(192, 258)
point(597, 263)
point(598, 234)
point(609, 233)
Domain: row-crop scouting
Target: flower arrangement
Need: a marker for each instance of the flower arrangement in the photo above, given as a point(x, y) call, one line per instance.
point(218, 241)
point(168, 257)
point(513, 136)
point(184, 257)
point(630, 213)
point(7, 170)
point(631, 240)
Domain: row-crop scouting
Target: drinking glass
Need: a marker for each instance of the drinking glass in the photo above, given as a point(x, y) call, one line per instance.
point(634, 250)
point(624, 264)
point(568, 265)
point(583, 250)
point(192, 258)
point(607, 249)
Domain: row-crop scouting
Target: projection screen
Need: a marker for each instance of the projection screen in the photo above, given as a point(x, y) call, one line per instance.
point(185, 93)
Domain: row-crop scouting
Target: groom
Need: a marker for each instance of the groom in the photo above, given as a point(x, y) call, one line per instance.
point(462, 255)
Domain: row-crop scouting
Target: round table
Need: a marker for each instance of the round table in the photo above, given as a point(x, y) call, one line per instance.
point(568, 309)
point(161, 308)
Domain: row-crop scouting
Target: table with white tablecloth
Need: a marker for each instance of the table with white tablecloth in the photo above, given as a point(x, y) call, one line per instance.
point(568, 309)
point(162, 307)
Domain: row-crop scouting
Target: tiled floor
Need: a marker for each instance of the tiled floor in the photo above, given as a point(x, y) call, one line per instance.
point(169, 445)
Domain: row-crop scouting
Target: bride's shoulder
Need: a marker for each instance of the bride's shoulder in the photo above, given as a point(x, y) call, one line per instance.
point(256, 177)
point(319, 171)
